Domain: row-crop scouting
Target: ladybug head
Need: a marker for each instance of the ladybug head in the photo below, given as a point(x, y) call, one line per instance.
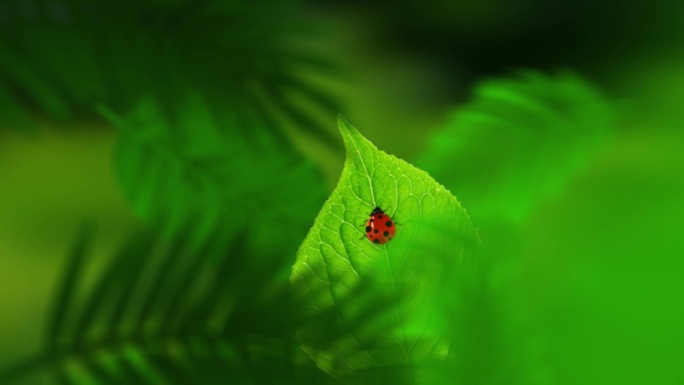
point(377, 210)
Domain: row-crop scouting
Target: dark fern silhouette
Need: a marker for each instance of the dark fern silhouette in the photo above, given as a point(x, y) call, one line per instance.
point(163, 312)
point(64, 58)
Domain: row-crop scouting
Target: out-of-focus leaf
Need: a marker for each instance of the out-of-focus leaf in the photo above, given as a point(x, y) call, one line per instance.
point(63, 300)
point(165, 312)
point(518, 141)
point(61, 58)
point(431, 251)
point(12, 112)
point(195, 164)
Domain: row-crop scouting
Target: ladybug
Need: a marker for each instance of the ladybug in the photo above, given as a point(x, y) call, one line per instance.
point(380, 228)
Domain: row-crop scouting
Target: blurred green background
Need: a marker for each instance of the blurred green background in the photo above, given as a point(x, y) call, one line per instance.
point(211, 125)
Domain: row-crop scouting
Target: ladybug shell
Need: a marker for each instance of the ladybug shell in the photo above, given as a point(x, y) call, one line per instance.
point(380, 228)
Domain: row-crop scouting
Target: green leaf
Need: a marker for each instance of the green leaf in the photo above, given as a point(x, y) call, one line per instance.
point(66, 58)
point(518, 142)
point(197, 166)
point(163, 312)
point(340, 273)
point(64, 298)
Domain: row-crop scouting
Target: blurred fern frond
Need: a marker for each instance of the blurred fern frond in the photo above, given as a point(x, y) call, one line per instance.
point(166, 313)
point(193, 165)
point(519, 140)
point(59, 58)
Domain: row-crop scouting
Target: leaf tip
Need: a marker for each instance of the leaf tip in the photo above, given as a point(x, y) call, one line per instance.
point(344, 124)
point(350, 134)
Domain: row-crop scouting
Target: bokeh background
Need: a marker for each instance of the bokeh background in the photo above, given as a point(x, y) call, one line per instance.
point(212, 125)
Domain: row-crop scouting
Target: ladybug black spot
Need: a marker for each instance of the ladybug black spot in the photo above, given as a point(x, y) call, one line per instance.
point(376, 241)
point(380, 216)
point(388, 223)
point(386, 233)
point(375, 231)
point(368, 229)
point(372, 220)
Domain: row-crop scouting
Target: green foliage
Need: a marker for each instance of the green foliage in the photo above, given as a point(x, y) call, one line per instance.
point(517, 142)
point(338, 270)
point(64, 58)
point(196, 165)
point(577, 279)
point(168, 313)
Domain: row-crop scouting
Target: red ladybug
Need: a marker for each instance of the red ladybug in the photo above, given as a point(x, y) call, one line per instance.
point(380, 228)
